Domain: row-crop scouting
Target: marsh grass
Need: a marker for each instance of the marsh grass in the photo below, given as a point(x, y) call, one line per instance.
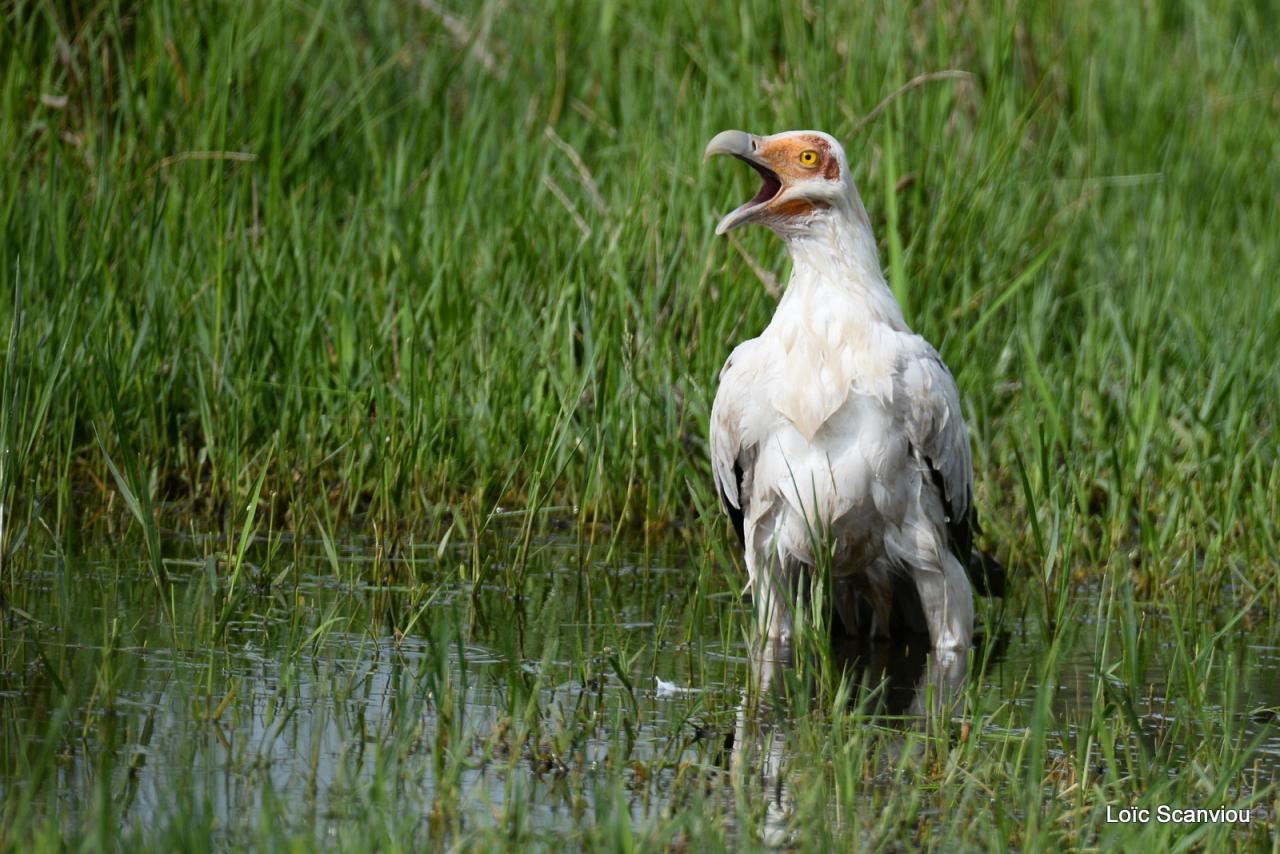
point(435, 712)
point(334, 324)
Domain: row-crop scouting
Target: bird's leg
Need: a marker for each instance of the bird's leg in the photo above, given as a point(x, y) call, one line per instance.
point(944, 677)
point(845, 594)
point(773, 614)
point(880, 594)
point(865, 609)
point(768, 586)
point(947, 601)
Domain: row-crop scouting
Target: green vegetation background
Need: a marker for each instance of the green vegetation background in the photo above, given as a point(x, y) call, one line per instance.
point(406, 262)
point(392, 266)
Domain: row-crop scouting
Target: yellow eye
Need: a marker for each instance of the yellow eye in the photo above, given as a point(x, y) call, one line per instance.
point(809, 157)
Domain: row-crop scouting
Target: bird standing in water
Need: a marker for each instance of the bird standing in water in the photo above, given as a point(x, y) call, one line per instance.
point(839, 428)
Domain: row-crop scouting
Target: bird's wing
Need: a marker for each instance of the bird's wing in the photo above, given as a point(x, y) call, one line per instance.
point(935, 428)
point(732, 450)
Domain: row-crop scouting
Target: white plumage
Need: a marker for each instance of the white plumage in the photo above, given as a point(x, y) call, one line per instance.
point(838, 427)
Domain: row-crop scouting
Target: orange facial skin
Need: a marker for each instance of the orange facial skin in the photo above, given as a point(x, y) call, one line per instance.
point(784, 157)
point(800, 173)
point(795, 159)
point(793, 208)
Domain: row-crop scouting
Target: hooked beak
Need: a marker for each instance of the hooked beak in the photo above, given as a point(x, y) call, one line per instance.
point(745, 147)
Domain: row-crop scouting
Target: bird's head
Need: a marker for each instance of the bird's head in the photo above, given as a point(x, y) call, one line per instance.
point(804, 173)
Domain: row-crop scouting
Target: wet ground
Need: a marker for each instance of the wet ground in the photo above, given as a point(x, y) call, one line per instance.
point(303, 688)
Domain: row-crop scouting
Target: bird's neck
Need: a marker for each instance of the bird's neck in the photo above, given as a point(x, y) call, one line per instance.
point(837, 253)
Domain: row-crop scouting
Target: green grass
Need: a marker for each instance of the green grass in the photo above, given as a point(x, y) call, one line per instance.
point(301, 273)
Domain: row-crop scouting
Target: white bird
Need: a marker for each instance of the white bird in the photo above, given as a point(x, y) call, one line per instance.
point(839, 428)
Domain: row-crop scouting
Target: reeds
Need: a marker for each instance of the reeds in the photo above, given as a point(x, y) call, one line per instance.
point(323, 321)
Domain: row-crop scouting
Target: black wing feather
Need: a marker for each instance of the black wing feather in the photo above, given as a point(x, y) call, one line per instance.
point(735, 513)
point(985, 572)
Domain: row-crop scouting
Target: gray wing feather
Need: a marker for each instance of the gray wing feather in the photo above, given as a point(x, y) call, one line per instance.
point(730, 460)
point(940, 440)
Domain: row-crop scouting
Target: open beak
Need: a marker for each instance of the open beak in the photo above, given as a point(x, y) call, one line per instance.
point(744, 146)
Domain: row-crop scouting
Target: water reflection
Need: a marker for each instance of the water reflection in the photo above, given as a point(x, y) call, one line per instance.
point(903, 681)
point(531, 703)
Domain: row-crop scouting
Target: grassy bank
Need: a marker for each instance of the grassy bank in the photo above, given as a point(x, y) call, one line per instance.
point(398, 261)
point(281, 273)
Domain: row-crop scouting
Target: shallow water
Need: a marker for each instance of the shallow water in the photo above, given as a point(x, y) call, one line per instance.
point(306, 691)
